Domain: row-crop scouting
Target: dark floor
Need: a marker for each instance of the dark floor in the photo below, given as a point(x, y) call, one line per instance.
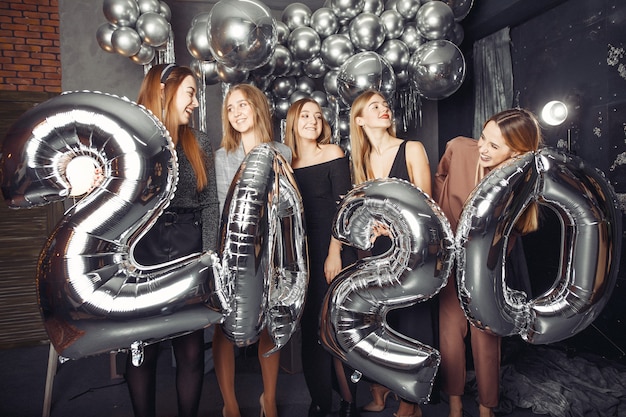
point(85, 387)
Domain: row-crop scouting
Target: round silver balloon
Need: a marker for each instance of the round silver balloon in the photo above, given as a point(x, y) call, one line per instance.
point(263, 270)
point(304, 43)
point(346, 9)
point(206, 70)
point(336, 49)
point(281, 107)
point(153, 28)
point(437, 69)
point(393, 23)
point(589, 213)
point(434, 20)
point(352, 324)
point(298, 95)
point(283, 87)
point(412, 38)
point(408, 8)
point(373, 6)
point(324, 22)
point(283, 59)
point(104, 35)
point(460, 8)
point(330, 82)
point(165, 11)
point(315, 68)
point(456, 34)
point(242, 34)
point(320, 97)
point(296, 15)
point(126, 41)
point(367, 32)
point(282, 32)
point(144, 56)
point(149, 6)
point(121, 12)
point(93, 295)
point(197, 40)
point(364, 71)
point(305, 84)
point(396, 53)
point(391, 5)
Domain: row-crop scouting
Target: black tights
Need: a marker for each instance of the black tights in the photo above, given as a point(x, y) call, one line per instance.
point(189, 354)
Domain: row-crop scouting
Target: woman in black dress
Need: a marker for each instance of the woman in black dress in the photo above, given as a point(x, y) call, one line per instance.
point(323, 175)
point(378, 153)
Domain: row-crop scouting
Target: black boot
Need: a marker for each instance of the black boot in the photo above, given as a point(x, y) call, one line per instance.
point(316, 411)
point(347, 409)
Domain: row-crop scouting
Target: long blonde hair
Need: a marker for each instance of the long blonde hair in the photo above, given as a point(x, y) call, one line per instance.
point(291, 128)
point(522, 133)
point(262, 117)
point(164, 108)
point(359, 143)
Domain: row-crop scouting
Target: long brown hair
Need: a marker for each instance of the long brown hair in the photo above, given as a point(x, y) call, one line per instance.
point(291, 128)
point(359, 143)
point(163, 106)
point(262, 117)
point(522, 133)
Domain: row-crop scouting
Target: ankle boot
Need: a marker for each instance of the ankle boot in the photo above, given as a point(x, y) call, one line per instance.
point(348, 409)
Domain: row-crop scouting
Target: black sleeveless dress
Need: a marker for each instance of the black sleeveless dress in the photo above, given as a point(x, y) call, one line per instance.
point(321, 186)
point(419, 321)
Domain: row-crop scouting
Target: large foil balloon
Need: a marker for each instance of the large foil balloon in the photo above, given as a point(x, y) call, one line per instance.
point(93, 296)
point(590, 247)
point(242, 34)
point(353, 325)
point(264, 250)
point(364, 71)
point(437, 69)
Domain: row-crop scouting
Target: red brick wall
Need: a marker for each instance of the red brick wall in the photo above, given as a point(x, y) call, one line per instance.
point(30, 46)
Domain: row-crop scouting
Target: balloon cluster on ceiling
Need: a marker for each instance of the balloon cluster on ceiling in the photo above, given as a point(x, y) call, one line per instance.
point(407, 49)
point(137, 29)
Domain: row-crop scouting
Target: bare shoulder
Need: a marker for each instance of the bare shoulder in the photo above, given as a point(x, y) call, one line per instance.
point(415, 150)
point(332, 151)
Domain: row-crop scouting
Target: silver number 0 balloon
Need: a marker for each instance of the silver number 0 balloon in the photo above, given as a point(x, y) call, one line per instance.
point(353, 325)
point(590, 247)
point(93, 296)
point(264, 252)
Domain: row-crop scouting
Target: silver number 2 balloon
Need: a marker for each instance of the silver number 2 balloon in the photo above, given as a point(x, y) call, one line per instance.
point(93, 296)
point(587, 207)
point(353, 325)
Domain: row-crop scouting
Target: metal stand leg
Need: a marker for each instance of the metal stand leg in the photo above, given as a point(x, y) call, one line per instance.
point(52, 370)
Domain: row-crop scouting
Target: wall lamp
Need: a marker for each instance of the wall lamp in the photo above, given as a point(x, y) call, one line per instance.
point(554, 113)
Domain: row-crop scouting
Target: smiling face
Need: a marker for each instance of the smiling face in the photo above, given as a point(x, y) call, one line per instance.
point(240, 112)
point(376, 113)
point(310, 122)
point(185, 100)
point(492, 147)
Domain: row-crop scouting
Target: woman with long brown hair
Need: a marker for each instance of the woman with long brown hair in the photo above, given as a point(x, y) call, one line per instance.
point(189, 225)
